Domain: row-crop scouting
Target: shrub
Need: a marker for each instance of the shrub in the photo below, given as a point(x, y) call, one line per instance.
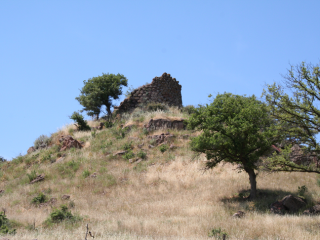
point(218, 233)
point(163, 148)
point(128, 155)
point(5, 225)
point(189, 109)
point(86, 173)
point(142, 154)
point(43, 140)
point(302, 190)
point(151, 107)
point(41, 198)
point(93, 133)
point(127, 146)
point(82, 125)
point(108, 124)
point(2, 159)
point(60, 215)
point(32, 175)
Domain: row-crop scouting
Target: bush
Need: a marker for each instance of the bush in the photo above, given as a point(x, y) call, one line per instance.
point(128, 155)
point(108, 124)
point(189, 109)
point(60, 215)
point(151, 107)
point(5, 225)
point(41, 198)
point(86, 173)
point(127, 146)
point(142, 154)
point(2, 159)
point(42, 141)
point(218, 234)
point(32, 175)
point(163, 148)
point(82, 125)
point(302, 190)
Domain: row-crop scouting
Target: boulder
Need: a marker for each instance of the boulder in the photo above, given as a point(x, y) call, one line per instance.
point(119, 153)
point(289, 203)
point(69, 142)
point(30, 150)
point(162, 138)
point(155, 124)
point(293, 203)
point(38, 179)
point(313, 210)
point(239, 214)
point(93, 175)
point(1, 191)
point(299, 157)
point(65, 197)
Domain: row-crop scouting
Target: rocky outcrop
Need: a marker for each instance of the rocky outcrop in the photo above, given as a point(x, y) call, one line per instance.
point(162, 138)
point(155, 124)
point(164, 89)
point(315, 210)
point(38, 179)
point(69, 142)
point(299, 157)
point(31, 150)
point(289, 203)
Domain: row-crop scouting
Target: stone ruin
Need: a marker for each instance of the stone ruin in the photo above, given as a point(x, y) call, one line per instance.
point(164, 89)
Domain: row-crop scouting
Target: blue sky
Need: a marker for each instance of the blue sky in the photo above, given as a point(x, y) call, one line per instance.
point(47, 49)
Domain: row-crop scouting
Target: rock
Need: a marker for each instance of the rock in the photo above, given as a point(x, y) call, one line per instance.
point(65, 197)
point(165, 123)
point(277, 207)
point(1, 191)
point(30, 150)
point(172, 147)
point(60, 159)
point(163, 137)
point(299, 157)
point(293, 203)
point(38, 179)
point(69, 142)
point(239, 214)
point(288, 203)
point(313, 210)
point(119, 153)
point(93, 175)
point(52, 201)
point(140, 145)
point(151, 146)
point(139, 160)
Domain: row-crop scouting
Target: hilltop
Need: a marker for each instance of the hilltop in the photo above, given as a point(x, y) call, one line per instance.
point(156, 189)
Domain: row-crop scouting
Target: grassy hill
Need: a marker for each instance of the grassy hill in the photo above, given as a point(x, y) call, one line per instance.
point(166, 195)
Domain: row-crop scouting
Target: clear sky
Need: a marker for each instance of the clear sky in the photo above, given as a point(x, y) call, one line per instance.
point(47, 49)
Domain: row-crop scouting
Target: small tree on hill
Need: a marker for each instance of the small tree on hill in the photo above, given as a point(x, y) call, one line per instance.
point(82, 125)
point(234, 129)
point(100, 91)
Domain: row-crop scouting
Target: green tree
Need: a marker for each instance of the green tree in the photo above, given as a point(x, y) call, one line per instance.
point(82, 125)
point(235, 129)
point(297, 110)
point(100, 91)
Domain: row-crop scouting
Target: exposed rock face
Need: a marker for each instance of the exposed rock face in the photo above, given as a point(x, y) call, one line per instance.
point(69, 142)
point(65, 197)
point(38, 179)
point(162, 138)
point(288, 203)
point(155, 124)
point(313, 210)
point(30, 150)
point(164, 89)
point(299, 157)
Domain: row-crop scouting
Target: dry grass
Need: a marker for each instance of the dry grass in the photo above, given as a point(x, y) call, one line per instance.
point(167, 196)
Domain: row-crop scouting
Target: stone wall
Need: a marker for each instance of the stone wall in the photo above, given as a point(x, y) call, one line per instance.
point(164, 89)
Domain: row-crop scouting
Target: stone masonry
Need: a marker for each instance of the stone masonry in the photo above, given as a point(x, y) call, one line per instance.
point(164, 89)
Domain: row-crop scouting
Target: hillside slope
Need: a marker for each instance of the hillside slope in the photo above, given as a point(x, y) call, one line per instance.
point(166, 195)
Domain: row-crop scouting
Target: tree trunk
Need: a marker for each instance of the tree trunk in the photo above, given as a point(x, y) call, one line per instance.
point(253, 183)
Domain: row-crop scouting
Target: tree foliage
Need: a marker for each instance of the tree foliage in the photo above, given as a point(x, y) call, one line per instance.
point(100, 91)
point(234, 129)
point(297, 109)
point(82, 125)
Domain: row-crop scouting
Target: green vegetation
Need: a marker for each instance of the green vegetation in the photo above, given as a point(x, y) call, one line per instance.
point(61, 215)
point(235, 129)
point(43, 140)
point(82, 125)
point(128, 155)
point(100, 91)
point(163, 148)
point(5, 227)
point(141, 154)
point(32, 175)
point(218, 234)
point(41, 198)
